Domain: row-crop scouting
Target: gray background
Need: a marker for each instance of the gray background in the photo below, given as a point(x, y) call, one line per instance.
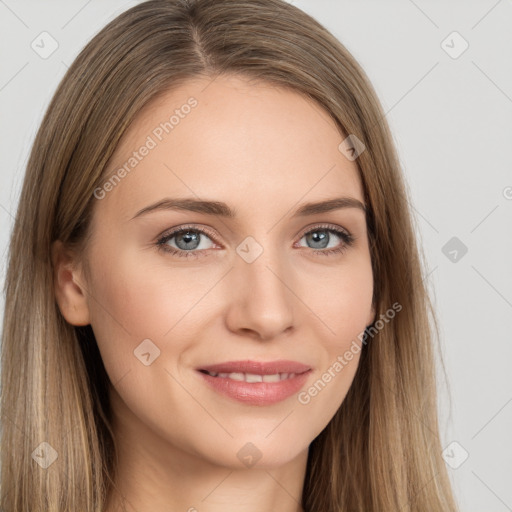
point(451, 120)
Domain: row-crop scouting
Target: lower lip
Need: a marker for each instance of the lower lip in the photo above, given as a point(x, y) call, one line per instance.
point(257, 393)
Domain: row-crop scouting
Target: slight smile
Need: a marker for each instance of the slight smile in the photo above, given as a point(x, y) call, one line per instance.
point(254, 382)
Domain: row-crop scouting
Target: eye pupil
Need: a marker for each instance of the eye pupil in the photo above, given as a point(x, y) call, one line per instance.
point(188, 237)
point(321, 237)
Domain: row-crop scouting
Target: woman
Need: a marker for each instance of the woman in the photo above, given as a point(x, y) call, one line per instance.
point(214, 297)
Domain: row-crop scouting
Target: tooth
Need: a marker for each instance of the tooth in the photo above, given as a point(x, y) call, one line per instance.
point(251, 377)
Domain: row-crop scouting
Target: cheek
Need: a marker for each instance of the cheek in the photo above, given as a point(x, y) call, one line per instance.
point(342, 300)
point(343, 303)
point(123, 313)
point(135, 301)
point(138, 296)
point(142, 296)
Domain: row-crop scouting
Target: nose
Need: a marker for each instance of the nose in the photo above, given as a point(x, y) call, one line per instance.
point(261, 298)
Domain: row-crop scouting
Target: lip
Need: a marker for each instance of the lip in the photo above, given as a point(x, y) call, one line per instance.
point(257, 393)
point(258, 367)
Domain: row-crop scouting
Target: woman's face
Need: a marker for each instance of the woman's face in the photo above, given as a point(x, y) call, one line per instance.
point(261, 286)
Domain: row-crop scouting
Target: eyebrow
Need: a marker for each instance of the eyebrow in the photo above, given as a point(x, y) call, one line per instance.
point(221, 209)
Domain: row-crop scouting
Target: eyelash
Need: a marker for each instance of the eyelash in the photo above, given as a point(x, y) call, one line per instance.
point(345, 236)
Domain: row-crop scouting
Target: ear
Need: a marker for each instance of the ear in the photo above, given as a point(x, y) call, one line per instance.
point(70, 292)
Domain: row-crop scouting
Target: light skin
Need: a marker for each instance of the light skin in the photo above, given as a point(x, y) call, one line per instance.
point(264, 151)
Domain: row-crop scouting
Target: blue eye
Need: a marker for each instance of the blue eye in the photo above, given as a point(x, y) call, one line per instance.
point(321, 236)
point(187, 240)
point(188, 243)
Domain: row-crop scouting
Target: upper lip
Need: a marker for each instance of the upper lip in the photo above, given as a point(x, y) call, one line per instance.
point(257, 367)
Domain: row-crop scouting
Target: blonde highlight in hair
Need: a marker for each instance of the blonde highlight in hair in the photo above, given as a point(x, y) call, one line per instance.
point(381, 451)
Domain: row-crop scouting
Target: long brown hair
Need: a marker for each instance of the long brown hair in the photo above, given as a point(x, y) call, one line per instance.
point(381, 451)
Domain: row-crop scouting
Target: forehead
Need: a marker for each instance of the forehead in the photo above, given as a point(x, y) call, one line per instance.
point(228, 139)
